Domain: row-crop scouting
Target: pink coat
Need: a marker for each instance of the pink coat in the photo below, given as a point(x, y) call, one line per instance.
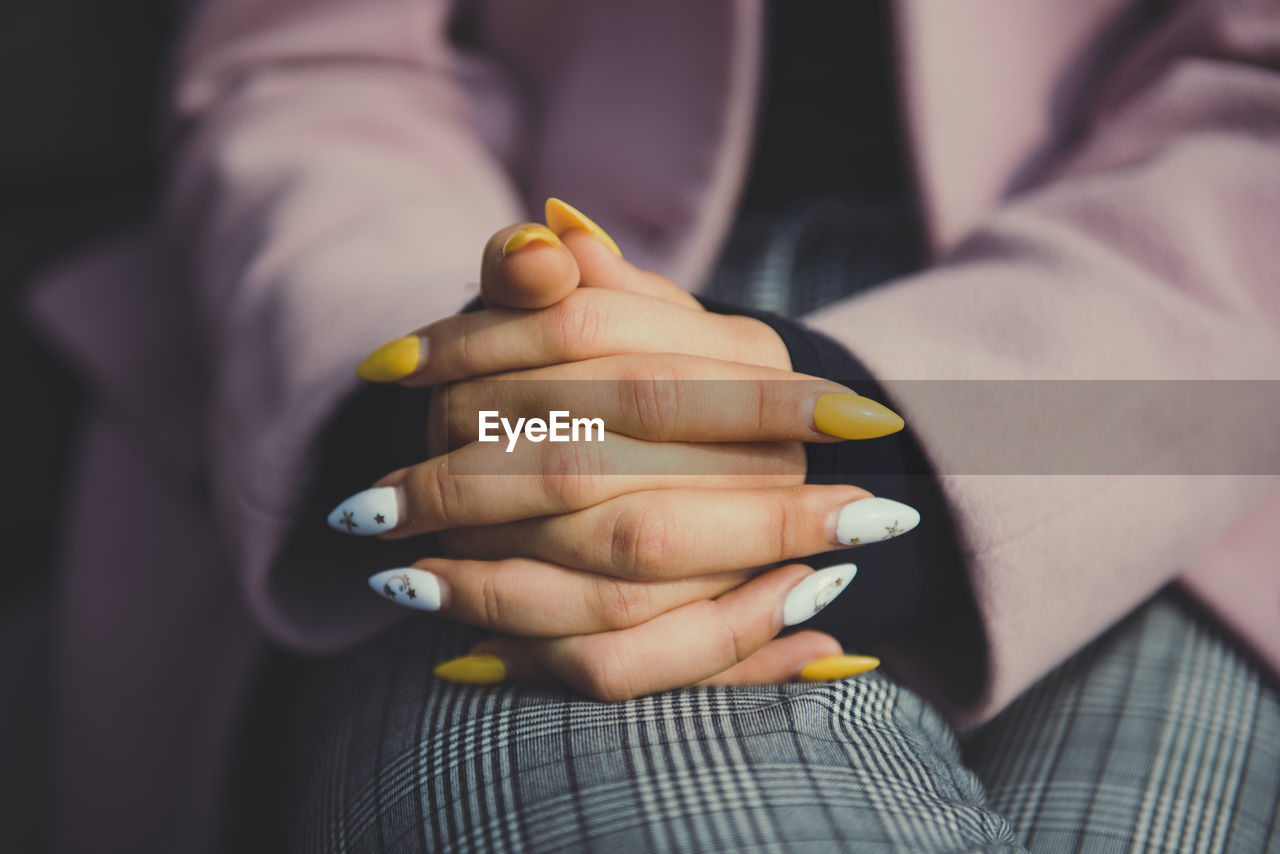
point(1102, 202)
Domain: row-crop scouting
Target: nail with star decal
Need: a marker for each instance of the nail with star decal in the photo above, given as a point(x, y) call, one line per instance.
point(815, 592)
point(412, 588)
point(365, 514)
point(871, 520)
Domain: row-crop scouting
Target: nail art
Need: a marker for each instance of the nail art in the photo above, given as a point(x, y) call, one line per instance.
point(473, 670)
point(562, 216)
point(394, 360)
point(835, 667)
point(527, 234)
point(413, 588)
point(873, 520)
point(816, 592)
point(374, 511)
point(851, 416)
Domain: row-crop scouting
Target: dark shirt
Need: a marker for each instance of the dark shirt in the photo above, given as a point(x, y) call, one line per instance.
point(827, 207)
point(827, 211)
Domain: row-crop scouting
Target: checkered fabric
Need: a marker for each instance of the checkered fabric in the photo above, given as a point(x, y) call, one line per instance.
point(1160, 737)
point(414, 764)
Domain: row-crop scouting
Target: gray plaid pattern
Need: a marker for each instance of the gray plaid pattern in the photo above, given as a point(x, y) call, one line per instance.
point(419, 765)
point(1159, 737)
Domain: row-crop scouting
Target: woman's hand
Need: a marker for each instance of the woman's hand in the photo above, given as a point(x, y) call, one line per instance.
point(727, 641)
point(719, 415)
point(577, 550)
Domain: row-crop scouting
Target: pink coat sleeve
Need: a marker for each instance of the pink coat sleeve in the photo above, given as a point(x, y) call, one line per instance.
point(337, 170)
point(1151, 253)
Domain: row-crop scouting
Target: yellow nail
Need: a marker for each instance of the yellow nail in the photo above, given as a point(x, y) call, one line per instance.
point(473, 670)
point(562, 216)
point(835, 667)
point(849, 416)
point(393, 361)
point(526, 234)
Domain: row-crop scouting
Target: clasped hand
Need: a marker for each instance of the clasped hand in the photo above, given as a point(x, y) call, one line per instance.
point(659, 557)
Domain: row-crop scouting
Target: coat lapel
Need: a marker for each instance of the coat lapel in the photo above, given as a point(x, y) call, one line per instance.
point(989, 88)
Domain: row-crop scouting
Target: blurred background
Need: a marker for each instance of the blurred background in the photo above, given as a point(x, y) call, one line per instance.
point(80, 86)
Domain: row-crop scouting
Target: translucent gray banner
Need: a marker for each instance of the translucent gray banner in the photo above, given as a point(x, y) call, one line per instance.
point(1042, 427)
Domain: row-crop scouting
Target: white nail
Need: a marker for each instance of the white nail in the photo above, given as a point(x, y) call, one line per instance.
point(816, 592)
point(374, 511)
point(413, 588)
point(874, 519)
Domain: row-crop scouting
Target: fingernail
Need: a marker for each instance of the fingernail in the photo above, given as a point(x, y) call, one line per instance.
point(872, 520)
point(394, 360)
point(562, 216)
point(413, 588)
point(816, 592)
point(374, 511)
point(526, 234)
point(851, 416)
point(473, 670)
point(835, 667)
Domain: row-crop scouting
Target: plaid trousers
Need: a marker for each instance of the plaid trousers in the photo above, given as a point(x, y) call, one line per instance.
point(1161, 736)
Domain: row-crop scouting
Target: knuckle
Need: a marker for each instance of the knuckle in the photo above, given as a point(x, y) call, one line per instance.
point(598, 674)
point(621, 604)
point(761, 407)
point(779, 464)
point(792, 461)
point(733, 645)
point(780, 519)
point(438, 435)
point(573, 473)
point(644, 540)
point(574, 327)
point(784, 462)
point(653, 394)
point(459, 412)
point(490, 601)
point(437, 494)
point(464, 342)
point(757, 343)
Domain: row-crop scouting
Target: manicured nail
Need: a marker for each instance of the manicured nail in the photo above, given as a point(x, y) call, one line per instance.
point(872, 520)
point(374, 511)
point(562, 216)
point(413, 588)
point(851, 416)
point(816, 592)
point(835, 667)
point(394, 360)
point(473, 670)
point(526, 234)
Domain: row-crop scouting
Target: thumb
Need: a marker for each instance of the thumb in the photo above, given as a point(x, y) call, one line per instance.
point(526, 266)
